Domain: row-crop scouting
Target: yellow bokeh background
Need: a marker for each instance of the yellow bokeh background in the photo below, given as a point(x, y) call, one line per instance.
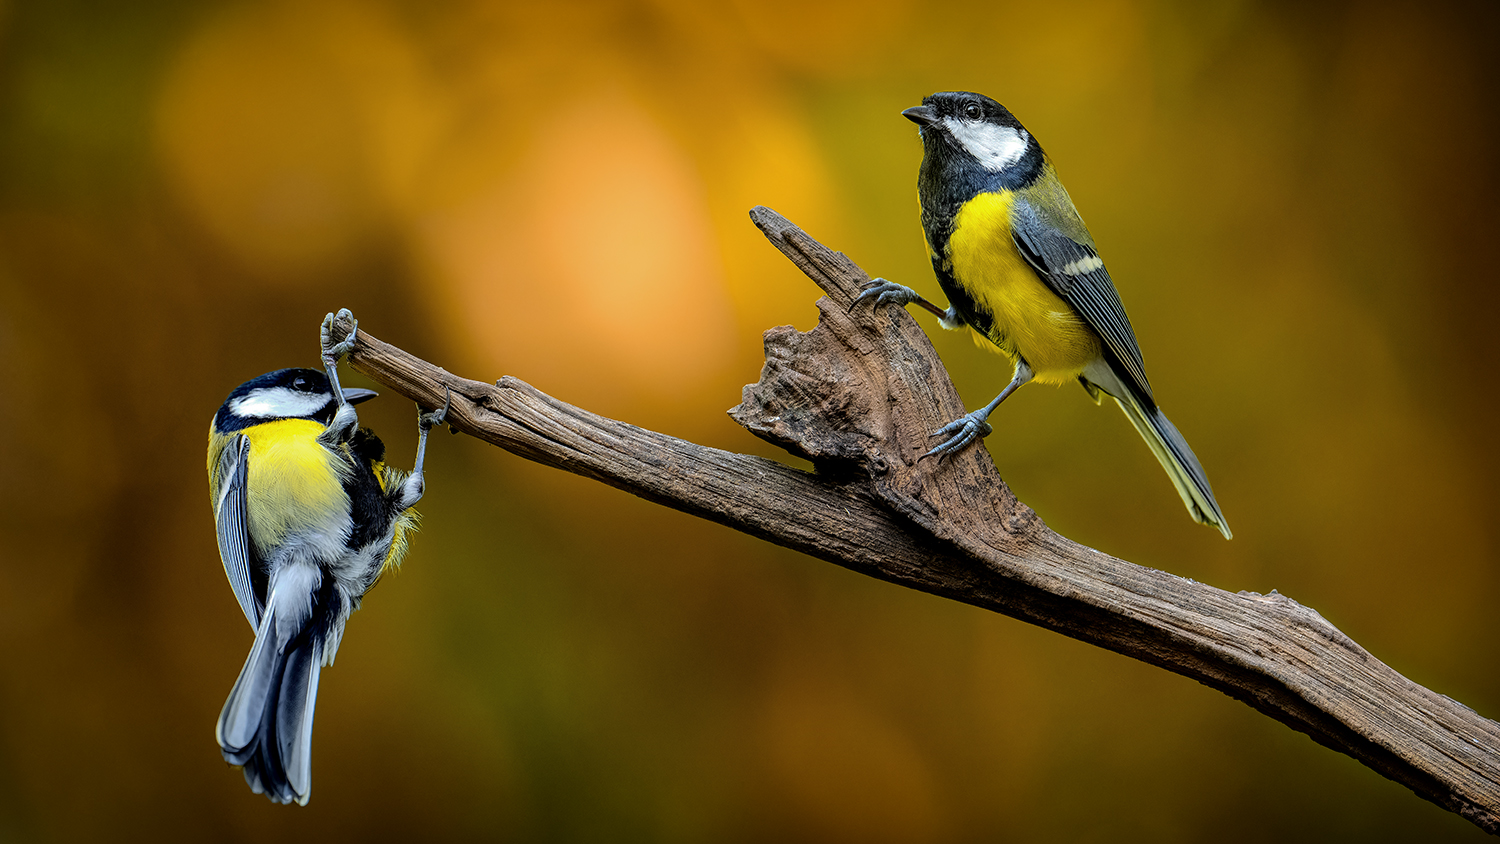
point(1295, 200)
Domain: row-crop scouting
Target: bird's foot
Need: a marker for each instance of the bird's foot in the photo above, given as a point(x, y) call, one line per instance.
point(960, 432)
point(333, 351)
point(428, 420)
point(886, 293)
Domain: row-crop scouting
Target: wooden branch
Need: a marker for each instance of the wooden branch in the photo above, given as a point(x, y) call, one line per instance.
point(858, 395)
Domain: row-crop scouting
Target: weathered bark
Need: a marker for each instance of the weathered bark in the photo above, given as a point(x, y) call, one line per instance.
point(859, 395)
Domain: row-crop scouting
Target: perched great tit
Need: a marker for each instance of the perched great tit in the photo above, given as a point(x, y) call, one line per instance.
point(1020, 269)
point(309, 516)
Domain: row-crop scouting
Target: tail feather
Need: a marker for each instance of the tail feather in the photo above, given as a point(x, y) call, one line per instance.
point(294, 716)
point(1170, 448)
point(243, 715)
point(266, 724)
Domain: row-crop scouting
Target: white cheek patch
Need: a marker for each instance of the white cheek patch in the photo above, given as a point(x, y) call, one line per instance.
point(1083, 266)
point(277, 402)
point(996, 147)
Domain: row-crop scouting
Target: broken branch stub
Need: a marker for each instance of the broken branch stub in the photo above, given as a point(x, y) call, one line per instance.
point(866, 386)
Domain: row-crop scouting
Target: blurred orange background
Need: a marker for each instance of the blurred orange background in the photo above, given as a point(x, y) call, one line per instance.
point(1297, 202)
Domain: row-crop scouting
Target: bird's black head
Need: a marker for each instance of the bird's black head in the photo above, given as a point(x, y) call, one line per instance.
point(975, 130)
point(283, 394)
point(961, 105)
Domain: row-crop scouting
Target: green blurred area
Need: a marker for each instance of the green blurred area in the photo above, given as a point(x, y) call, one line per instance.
point(1295, 200)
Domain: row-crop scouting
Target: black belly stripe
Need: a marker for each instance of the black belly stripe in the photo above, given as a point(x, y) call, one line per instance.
point(370, 508)
point(958, 296)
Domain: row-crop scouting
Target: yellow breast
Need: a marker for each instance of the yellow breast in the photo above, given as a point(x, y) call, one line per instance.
point(294, 483)
point(1030, 320)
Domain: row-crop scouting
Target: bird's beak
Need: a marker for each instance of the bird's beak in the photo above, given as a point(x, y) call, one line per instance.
point(355, 395)
point(921, 115)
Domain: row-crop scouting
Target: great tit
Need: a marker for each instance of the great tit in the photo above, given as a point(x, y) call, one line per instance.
point(1020, 269)
point(309, 516)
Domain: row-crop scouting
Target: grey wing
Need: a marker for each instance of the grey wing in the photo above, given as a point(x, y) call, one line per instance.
point(1074, 271)
point(233, 526)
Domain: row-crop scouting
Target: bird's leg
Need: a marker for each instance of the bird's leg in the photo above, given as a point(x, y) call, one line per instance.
point(970, 427)
point(889, 292)
point(425, 423)
point(345, 419)
point(333, 351)
point(411, 491)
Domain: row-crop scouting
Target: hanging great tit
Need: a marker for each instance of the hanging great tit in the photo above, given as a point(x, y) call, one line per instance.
point(1020, 269)
point(309, 516)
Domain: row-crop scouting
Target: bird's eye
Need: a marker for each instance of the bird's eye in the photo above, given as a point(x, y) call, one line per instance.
point(302, 385)
point(972, 111)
